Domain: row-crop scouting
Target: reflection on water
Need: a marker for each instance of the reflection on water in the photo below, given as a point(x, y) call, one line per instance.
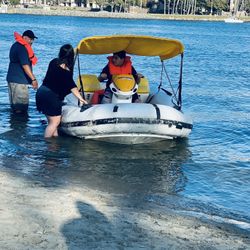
point(107, 167)
point(126, 169)
point(155, 168)
point(18, 122)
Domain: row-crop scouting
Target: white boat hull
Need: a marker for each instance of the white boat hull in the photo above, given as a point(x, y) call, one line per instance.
point(123, 123)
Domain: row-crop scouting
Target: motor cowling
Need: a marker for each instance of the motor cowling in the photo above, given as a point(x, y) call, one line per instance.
point(123, 87)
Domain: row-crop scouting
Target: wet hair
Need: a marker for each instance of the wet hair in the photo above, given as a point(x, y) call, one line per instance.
point(121, 54)
point(66, 55)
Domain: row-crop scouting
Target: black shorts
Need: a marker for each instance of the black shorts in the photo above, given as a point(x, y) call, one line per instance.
point(48, 102)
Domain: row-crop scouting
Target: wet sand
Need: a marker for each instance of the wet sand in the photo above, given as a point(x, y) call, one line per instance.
point(33, 216)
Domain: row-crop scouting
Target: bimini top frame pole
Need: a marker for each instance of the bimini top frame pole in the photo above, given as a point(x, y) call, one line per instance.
point(177, 95)
point(79, 72)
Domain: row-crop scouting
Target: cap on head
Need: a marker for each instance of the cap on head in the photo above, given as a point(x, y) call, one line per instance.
point(30, 34)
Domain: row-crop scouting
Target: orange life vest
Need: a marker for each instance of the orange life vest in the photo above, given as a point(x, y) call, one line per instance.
point(31, 54)
point(126, 68)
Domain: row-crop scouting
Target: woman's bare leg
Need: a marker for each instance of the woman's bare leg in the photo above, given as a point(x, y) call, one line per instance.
point(56, 133)
point(53, 123)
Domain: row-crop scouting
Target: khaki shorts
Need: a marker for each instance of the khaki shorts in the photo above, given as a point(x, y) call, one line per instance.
point(19, 96)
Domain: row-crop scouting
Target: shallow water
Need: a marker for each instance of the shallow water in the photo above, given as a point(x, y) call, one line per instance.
point(207, 174)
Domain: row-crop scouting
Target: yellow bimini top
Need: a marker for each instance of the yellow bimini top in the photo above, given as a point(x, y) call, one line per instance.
point(135, 45)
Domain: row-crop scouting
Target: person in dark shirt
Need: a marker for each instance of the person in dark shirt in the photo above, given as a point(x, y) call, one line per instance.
point(20, 73)
point(57, 83)
point(118, 64)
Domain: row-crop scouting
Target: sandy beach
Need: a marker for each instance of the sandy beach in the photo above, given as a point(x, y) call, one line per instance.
point(36, 217)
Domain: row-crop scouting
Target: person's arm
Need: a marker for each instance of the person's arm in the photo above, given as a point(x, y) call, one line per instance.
point(77, 94)
point(24, 60)
point(28, 71)
point(136, 75)
point(102, 77)
point(104, 74)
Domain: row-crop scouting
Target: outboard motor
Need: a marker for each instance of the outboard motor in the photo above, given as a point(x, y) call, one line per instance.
point(123, 87)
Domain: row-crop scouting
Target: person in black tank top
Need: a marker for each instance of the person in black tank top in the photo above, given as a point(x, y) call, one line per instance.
point(57, 83)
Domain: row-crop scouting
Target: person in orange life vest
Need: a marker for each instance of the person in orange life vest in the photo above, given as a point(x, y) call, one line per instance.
point(20, 74)
point(118, 64)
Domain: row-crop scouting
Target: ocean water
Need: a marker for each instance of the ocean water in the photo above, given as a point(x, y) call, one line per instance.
point(207, 174)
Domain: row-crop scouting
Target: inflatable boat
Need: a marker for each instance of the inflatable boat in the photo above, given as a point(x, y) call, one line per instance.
point(158, 116)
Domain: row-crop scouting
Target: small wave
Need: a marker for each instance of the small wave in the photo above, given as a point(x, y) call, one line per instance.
point(201, 210)
point(217, 219)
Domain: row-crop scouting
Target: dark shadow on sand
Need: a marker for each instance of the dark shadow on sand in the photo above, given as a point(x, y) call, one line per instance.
point(93, 230)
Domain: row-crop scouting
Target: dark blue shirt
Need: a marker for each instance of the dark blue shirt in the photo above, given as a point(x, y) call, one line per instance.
point(18, 57)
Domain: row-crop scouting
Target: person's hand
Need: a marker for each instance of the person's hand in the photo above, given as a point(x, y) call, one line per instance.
point(102, 77)
point(138, 78)
point(35, 84)
point(140, 75)
point(82, 102)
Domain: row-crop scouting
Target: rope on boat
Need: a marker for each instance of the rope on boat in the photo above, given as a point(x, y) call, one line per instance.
point(170, 83)
point(177, 100)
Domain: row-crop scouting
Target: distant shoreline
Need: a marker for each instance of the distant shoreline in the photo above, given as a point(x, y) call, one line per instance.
point(60, 11)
